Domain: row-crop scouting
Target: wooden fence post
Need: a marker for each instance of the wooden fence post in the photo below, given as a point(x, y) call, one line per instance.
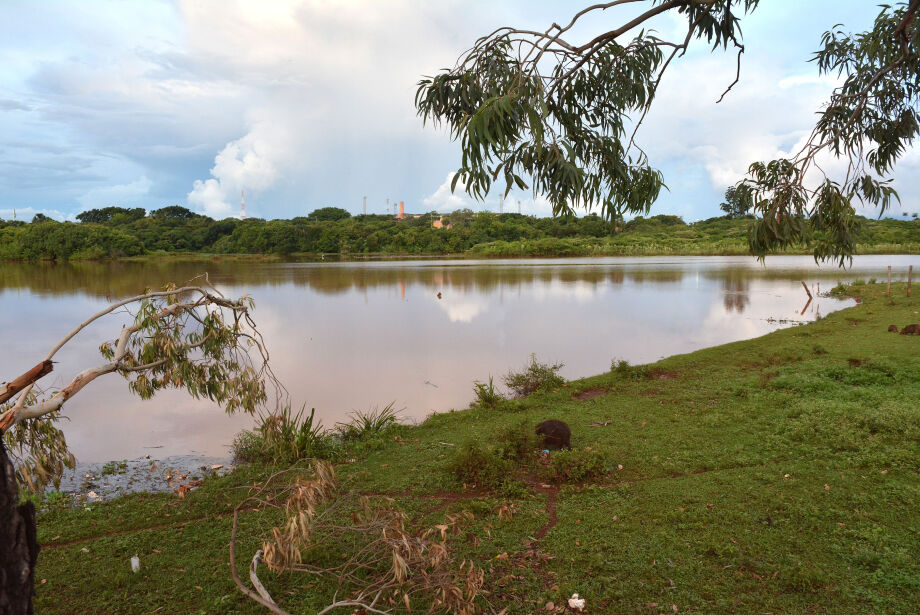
point(910, 271)
point(889, 280)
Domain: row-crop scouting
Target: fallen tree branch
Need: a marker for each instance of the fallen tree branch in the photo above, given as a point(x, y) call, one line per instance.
point(30, 377)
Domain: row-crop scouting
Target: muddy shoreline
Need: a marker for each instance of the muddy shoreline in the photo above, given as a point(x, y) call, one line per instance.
point(93, 482)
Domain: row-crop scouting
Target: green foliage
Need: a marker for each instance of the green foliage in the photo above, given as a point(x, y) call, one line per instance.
point(480, 234)
point(536, 110)
point(364, 425)
point(574, 466)
point(116, 215)
point(516, 442)
point(474, 465)
point(38, 450)
point(286, 436)
point(870, 121)
point(207, 361)
point(535, 376)
point(840, 290)
point(174, 212)
point(563, 132)
point(622, 368)
point(328, 213)
point(486, 395)
point(112, 467)
point(737, 202)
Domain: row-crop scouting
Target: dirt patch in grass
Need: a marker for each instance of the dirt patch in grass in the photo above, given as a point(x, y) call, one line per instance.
point(551, 495)
point(589, 394)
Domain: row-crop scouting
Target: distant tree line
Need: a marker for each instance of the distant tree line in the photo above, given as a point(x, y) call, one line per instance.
point(114, 232)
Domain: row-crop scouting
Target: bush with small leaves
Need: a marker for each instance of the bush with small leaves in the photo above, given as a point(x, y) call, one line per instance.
point(536, 376)
point(475, 465)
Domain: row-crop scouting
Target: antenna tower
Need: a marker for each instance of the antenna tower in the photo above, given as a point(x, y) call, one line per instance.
point(242, 204)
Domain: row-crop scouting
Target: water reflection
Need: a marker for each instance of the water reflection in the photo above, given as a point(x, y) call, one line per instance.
point(121, 279)
point(735, 288)
point(347, 336)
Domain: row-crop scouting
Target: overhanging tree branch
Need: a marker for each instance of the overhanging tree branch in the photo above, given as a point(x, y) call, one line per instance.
point(189, 337)
point(549, 114)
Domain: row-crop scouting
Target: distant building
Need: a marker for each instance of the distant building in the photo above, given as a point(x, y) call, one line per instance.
point(402, 215)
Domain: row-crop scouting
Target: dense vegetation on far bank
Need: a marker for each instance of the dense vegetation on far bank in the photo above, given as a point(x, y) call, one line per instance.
point(117, 232)
point(770, 475)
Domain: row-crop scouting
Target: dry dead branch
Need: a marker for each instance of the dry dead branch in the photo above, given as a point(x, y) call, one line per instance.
point(383, 564)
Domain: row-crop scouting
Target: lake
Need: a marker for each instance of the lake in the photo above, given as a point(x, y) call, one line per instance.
point(349, 336)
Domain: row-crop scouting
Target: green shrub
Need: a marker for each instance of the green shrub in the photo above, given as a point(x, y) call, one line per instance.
point(516, 442)
point(622, 368)
point(474, 465)
point(839, 290)
point(535, 377)
point(574, 466)
point(486, 395)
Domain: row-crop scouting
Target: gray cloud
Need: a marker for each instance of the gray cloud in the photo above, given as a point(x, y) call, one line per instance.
point(13, 105)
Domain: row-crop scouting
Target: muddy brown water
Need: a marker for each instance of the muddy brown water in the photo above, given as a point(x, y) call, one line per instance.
point(350, 336)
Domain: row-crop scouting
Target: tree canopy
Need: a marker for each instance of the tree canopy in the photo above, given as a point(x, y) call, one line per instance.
point(540, 111)
point(735, 204)
point(328, 213)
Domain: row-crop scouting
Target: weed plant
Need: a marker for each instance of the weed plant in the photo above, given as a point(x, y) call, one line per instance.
point(486, 395)
point(475, 465)
point(535, 376)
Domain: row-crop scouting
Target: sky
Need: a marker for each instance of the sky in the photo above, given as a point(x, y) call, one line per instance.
point(309, 103)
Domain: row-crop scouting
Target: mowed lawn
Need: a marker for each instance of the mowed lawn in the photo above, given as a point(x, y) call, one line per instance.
point(776, 475)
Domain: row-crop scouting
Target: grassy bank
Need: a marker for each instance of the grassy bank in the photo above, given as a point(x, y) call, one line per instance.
point(773, 475)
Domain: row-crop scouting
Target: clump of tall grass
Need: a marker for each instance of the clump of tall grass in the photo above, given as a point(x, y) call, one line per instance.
point(367, 424)
point(535, 376)
point(285, 436)
point(486, 395)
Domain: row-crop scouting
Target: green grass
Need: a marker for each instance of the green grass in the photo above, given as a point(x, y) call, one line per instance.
point(773, 475)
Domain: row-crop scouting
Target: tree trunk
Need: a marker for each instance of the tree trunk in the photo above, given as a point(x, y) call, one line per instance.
point(18, 543)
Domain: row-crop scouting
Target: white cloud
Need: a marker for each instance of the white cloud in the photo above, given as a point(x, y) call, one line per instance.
point(443, 200)
point(249, 163)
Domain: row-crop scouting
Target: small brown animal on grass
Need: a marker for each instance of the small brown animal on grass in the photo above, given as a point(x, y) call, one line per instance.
point(911, 330)
point(556, 434)
point(893, 328)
